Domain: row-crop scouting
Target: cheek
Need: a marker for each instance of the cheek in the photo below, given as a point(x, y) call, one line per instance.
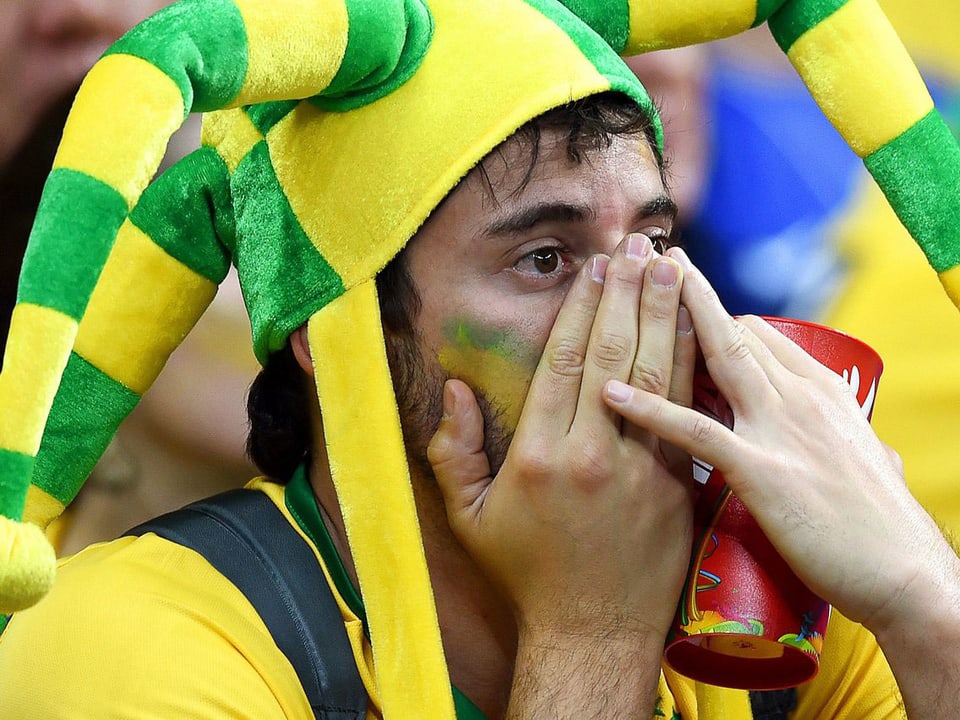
point(498, 360)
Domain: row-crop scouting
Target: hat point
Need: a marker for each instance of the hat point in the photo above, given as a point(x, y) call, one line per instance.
point(28, 565)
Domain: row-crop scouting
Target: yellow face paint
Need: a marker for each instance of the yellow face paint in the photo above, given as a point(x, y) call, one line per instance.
point(495, 361)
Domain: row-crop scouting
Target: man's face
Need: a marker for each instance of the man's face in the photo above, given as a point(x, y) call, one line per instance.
point(493, 264)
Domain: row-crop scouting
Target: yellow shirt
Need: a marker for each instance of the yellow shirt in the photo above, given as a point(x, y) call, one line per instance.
point(142, 628)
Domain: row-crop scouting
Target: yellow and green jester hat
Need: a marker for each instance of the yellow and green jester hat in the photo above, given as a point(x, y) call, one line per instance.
point(334, 127)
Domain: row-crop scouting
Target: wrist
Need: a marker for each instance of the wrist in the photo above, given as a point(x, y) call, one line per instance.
point(592, 671)
point(928, 606)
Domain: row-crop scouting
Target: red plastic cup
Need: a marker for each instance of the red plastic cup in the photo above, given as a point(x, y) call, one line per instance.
point(745, 620)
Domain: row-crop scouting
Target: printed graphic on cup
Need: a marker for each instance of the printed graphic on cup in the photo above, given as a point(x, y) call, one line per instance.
point(744, 619)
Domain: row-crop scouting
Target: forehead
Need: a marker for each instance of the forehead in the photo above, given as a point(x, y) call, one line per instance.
point(525, 160)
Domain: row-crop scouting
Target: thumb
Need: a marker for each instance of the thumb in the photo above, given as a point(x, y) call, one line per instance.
point(456, 454)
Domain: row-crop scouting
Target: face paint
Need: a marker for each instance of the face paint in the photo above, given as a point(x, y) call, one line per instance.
point(498, 361)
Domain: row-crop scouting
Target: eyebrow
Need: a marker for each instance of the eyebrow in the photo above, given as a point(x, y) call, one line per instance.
point(530, 217)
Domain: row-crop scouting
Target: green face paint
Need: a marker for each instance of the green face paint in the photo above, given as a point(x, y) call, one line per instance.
point(497, 361)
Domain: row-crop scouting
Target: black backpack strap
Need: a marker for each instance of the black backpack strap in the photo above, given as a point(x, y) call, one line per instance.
point(249, 541)
point(773, 704)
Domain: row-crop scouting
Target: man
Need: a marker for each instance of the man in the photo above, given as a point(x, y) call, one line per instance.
point(557, 532)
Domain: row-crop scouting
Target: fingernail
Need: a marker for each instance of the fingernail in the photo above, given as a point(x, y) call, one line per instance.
point(449, 401)
point(637, 246)
point(618, 391)
point(598, 267)
point(681, 257)
point(665, 272)
point(684, 321)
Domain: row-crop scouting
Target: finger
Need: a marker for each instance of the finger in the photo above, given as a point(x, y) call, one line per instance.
point(684, 360)
point(613, 336)
point(681, 384)
point(786, 351)
point(653, 365)
point(555, 387)
point(729, 349)
point(457, 457)
point(659, 304)
point(684, 428)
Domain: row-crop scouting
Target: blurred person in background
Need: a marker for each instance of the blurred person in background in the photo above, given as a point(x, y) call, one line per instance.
point(186, 439)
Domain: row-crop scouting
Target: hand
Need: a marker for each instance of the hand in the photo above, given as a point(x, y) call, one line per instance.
point(801, 456)
point(586, 527)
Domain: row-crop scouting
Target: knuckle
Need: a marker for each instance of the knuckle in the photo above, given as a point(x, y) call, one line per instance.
point(660, 308)
point(624, 274)
point(566, 359)
point(650, 378)
point(895, 458)
point(594, 465)
point(611, 350)
point(701, 429)
point(841, 386)
point(735, 346)
point(536, 461)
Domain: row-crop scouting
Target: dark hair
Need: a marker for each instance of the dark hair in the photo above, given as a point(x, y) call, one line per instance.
point(590, 124)
point(278, 404)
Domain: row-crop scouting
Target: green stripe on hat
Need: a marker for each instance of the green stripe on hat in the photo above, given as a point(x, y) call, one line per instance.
point(200, 44)
point(86, 412)
point(603, 57)
point(916, 171)
point(265, 115)
point(795, 18)
point(197, 189)
point(14, 466)
point(70, 242)
point(283, 283)
point(766, 8)
point(386, 42)
point(611, 23)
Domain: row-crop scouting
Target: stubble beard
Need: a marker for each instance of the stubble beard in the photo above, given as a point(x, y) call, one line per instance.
point(418, 385)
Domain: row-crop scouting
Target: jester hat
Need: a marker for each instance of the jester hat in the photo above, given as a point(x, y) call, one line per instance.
point(333, 128)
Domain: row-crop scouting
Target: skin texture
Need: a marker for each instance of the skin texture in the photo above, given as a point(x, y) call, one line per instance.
point(547, 581)
point(558, 551)
point(805, 461)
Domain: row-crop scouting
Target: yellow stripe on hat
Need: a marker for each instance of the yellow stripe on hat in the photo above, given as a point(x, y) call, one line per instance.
point(118, 129)
point(291, 59)
point(853, 63)
point(142, 307)
point(654, 26)
point(42, 508)
point(951, 283)
point(37, 350)
point(369, 467)
point(232, 133)
point(393, 186)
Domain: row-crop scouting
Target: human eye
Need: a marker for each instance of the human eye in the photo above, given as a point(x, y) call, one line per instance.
point(545, 261)
point(659, 238)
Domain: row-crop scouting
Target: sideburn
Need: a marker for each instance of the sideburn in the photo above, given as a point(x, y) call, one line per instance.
point(418, 382)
